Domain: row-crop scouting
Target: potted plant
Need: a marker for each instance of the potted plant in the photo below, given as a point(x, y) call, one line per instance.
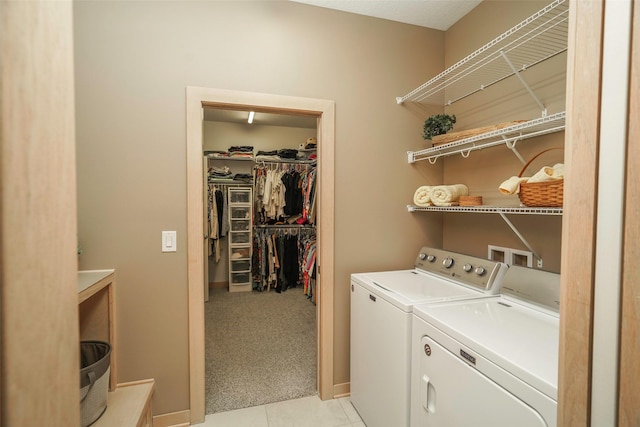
point(438, 124)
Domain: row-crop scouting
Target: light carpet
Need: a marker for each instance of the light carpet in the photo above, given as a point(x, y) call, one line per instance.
point(260, 347)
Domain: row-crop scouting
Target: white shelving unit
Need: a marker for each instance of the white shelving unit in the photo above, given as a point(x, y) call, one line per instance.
point(538, 38)
point(240, 239)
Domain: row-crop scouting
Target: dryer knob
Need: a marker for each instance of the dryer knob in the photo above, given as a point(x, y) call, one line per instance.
point(448, 262)
point(431, 258)
point(422, 256)
point(467, 267)
point(480, 271)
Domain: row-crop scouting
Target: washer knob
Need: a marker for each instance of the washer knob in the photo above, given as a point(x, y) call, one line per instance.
point(448, 262)
point(422, 256)
point(480, 271)
point(467, 267)
point(431, 258)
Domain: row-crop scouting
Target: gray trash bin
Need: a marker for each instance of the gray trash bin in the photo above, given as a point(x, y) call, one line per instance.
point(95, 359)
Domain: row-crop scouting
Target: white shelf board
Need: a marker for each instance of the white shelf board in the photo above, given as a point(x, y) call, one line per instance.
point(518, 210)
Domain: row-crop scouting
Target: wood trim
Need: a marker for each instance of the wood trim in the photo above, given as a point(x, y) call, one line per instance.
point(173, 419)
point(38, 253)
point(629, 375)
point(325, 262)
point(342, 390)
point(195, 253)
point(219, 98)
point(128, 405)
point(579, 219)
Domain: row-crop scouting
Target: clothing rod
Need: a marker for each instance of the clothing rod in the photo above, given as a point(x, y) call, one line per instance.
point(296, 226)
point(231, 184)
point(259, 161)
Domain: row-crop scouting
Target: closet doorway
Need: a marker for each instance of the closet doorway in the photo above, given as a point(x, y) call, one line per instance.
point(260, 314)
point(324, 111)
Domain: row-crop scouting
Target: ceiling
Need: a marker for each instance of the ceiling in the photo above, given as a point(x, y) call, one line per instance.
point(435, 14)
point(264, 119)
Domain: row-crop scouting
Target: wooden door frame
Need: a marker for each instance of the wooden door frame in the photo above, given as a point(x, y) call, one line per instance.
point(196, 99)
point(584, 398)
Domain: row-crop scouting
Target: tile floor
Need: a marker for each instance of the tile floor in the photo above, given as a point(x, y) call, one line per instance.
point(303, 412)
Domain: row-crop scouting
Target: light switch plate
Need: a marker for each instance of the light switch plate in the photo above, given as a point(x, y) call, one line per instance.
point(169, 241)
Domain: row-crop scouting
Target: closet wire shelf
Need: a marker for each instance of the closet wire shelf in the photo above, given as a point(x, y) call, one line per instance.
point(520, 210)
point(509, 136)
point(540, 37)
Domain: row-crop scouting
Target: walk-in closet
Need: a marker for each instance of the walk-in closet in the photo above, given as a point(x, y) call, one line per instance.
point(260, 241)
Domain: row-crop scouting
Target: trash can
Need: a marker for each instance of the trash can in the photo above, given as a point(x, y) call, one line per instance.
point(95, 359)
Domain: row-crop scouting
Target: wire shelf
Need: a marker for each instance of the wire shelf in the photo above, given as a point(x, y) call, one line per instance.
point(518, 210)
point(508, 135)
point(540, 37)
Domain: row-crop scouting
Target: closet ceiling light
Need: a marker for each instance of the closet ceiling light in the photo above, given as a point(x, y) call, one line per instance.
point(251, 114)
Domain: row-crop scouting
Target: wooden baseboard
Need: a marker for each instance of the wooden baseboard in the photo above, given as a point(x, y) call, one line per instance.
point(173, 419)
point(219, 285)
point(341, 390)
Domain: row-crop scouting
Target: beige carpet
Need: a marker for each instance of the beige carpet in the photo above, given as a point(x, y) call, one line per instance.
point(260, 348)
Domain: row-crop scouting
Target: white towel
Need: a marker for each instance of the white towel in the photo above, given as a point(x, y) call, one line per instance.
point(548, 173)
point(558, 170)
point(422, 196)
point(446, 195)
point(512, 185)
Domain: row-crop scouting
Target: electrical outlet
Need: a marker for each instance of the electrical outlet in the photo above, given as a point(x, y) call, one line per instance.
point(510, 256)
point(521, 258)
point(498, 253)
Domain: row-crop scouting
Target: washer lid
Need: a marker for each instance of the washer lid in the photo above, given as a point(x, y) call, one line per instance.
point(404, 288)
point(518, 337)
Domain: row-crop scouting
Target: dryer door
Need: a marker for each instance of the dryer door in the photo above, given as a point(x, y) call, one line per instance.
point(453, 393)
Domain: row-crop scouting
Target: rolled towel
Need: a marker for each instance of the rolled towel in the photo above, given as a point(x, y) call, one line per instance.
point(422, 196)
point(544, 174)
point(512, 185)
point(558, 170)
point(447, 195)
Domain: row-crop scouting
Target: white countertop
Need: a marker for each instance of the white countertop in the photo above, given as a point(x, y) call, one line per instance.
point(86, 278)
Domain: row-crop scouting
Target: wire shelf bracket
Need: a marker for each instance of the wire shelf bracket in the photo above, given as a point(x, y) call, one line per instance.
point(522, 239)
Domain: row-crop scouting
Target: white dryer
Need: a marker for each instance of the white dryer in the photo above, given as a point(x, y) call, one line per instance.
point(490, 362)
point(381, 320)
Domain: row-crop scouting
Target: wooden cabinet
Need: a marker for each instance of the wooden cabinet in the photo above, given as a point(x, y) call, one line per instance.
point(129, 404)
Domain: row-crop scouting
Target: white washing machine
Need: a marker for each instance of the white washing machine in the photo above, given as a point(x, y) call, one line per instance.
point(381, 321)
point(490, 362)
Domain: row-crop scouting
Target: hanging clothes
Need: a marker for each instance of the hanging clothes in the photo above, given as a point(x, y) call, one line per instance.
point(278, 256)
point(217, 218)
point(284, 193)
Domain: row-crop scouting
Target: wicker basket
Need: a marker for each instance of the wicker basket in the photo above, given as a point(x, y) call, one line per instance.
point(541, 194)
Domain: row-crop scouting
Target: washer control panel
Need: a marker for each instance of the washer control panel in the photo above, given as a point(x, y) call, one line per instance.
point(469, 270)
